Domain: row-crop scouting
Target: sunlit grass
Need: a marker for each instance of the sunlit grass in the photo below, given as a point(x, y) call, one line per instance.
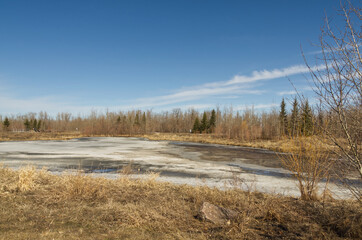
point(36, 204)
point(279, 145)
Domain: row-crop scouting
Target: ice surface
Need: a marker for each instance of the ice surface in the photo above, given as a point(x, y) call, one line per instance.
point(176, 163)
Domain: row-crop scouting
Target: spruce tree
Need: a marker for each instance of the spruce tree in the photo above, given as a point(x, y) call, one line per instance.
point(320, 122)
point(35, 124)
point(294, 119)
point(6, 124)
point(196, 126)
point(204, 123)
point(137, 120)
point(27, 125)
point(144, 119)
point(212, 122)
point(39, 125)
point(144, 122)
point(307, 120)
point(283, 119)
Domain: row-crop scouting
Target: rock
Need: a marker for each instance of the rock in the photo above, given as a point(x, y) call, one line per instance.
point(216, 214)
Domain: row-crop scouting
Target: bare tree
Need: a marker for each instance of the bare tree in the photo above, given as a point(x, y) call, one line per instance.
point(337, 83)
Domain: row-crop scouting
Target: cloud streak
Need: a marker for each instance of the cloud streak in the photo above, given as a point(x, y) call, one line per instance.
point(239, 84)
point(287, 93)
point(256, 106)
point(191, 95)
point(265, 75)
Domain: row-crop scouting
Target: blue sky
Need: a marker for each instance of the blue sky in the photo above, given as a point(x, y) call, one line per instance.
point(76, 56)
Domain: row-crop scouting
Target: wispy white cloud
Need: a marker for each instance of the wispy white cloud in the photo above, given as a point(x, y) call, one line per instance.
point(191, 95)
point(309, 88)
point(255, 106)
point(336, 49)
point(239, 84)
point(287, 93)
point(190, 106)
point(236, 86)
point(13, 105)
point(52, 104)
point(230, 97)
point(265, 75)
point(264, 106)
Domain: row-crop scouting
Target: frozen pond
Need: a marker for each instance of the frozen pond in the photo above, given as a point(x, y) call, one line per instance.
point(189, 163)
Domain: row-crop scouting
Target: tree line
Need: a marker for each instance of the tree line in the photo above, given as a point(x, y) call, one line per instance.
point(245, 125)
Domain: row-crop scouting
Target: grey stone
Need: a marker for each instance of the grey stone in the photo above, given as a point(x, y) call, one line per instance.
point(216, 214)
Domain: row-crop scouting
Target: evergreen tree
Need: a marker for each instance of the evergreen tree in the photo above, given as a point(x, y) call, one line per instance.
point(307, 120)
point(283, 119)
point(31, 123)
point(144, 119)
point(137, 120)
point(6, 124)
point(204, 123)
point(35, 124)
point(319, 122)
point(294, 119)
point(144, 122)
point(39, 125)
point(196, 126)
point(212, 122)
point(27, 125)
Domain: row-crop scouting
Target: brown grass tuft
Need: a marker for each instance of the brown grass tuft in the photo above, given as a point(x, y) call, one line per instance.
point(27, 179)
point(80, 187)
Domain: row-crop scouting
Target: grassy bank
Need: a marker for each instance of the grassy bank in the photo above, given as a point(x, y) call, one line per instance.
point(38, 205)
point(32, 136)
point(281, 145)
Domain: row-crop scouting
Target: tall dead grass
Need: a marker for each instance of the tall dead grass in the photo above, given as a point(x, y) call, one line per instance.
point(280, 145)
point(39, 205)
point(32, 136)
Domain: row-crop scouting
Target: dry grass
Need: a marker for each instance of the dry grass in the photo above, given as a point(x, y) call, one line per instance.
point(281, 145)
point(39, 205)
point(31, 136)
